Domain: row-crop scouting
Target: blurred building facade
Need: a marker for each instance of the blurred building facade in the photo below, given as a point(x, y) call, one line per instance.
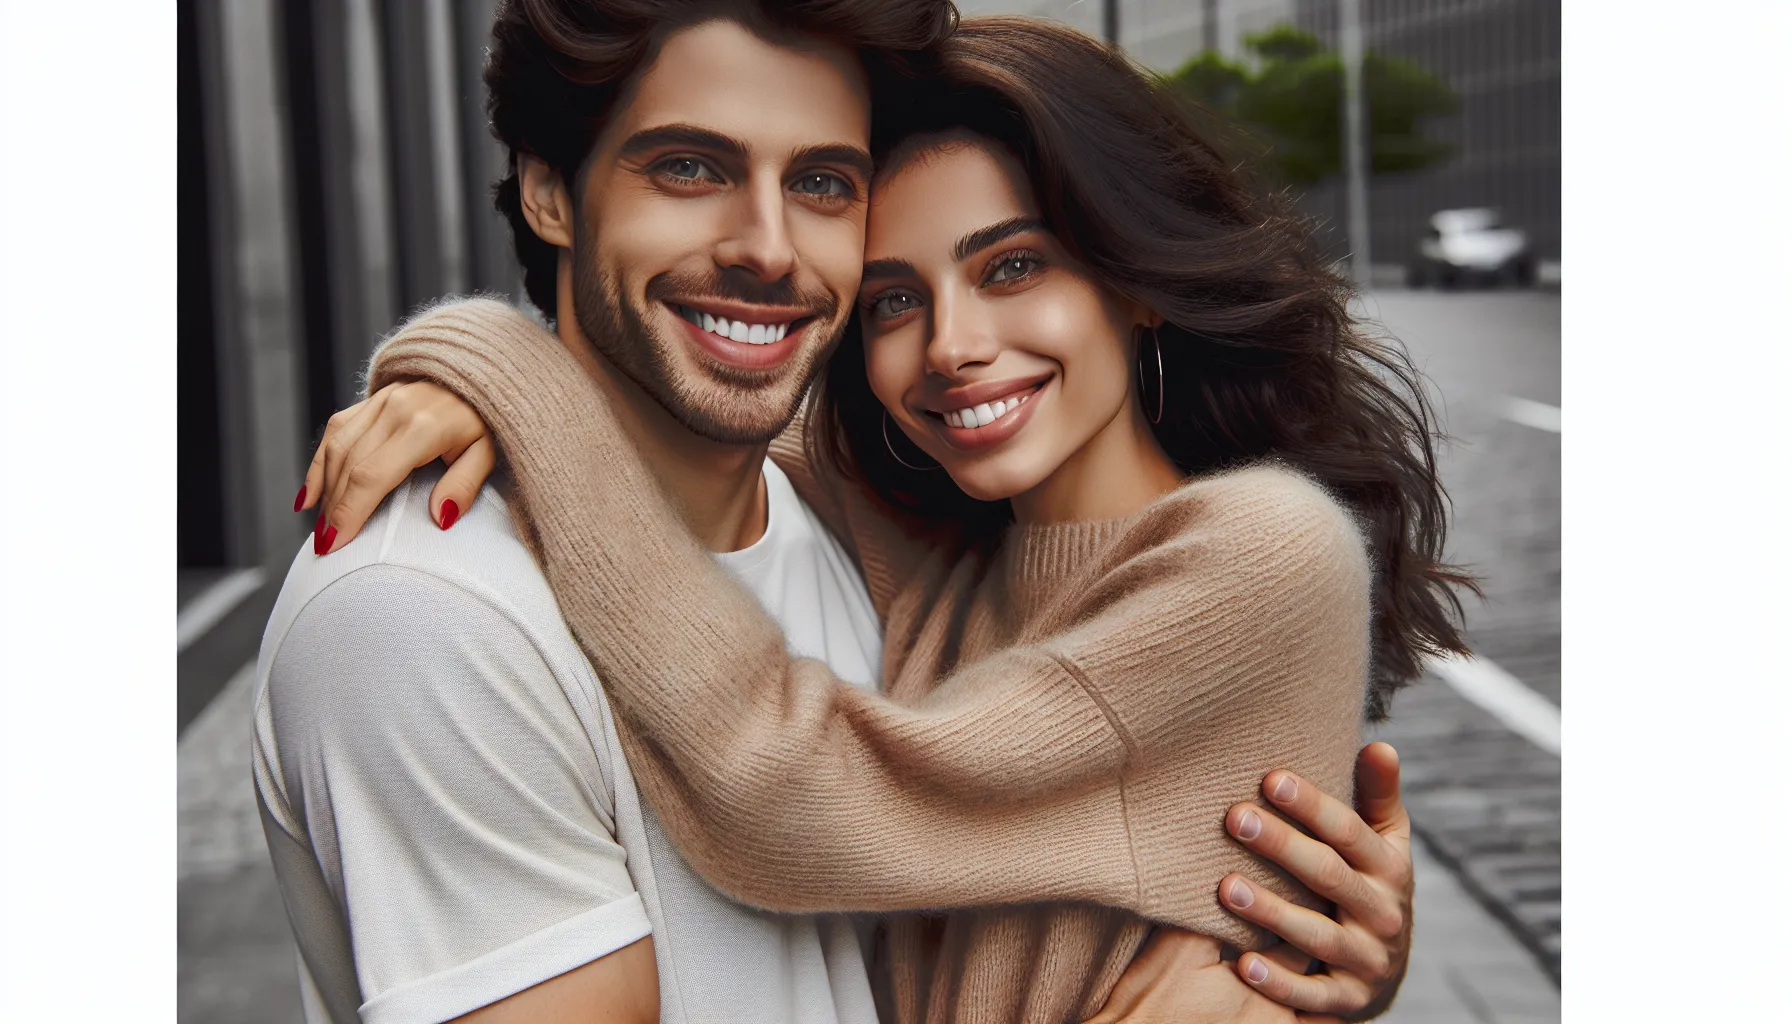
point(1502, 57)
point(334, 159)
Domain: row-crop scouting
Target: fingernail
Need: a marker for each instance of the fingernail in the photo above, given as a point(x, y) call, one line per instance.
point(1285, 789)
point(299, 502)
point(1249, 825)
point(450, 512)
point(329, 538)
point(1240, 895)
point(1256, 973)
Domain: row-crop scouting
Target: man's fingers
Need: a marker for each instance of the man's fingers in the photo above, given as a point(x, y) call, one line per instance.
point(1321, 868)
point(1290, 956)
point(1331, 821)
point(1319, 993)
point(1378, 787)
point(457, 489)
point(1312, 932)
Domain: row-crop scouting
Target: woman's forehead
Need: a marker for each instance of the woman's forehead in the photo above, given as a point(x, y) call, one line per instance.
point(938, 192)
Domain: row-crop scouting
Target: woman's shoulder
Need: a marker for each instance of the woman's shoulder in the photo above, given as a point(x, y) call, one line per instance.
point(1266, 515)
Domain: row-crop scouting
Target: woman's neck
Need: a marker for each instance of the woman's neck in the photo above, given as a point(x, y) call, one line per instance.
point(1119, 471)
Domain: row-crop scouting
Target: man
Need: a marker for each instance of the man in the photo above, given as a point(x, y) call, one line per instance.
point(454, 825)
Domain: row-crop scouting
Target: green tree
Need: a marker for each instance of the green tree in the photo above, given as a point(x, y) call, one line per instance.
point(1292, 98)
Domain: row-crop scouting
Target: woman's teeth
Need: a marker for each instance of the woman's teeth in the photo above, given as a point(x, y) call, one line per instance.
point(735, 330)
point(985, 414)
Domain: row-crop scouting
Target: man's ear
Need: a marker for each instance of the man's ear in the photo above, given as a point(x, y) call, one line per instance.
point(547, 205)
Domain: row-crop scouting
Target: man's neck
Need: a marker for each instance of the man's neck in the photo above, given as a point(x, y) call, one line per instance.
point(717, 489)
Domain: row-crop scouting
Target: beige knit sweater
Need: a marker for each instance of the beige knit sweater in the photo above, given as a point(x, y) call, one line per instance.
point(1065, 723)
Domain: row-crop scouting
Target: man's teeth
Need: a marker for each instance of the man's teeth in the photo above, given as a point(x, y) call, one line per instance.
point(735, 330)
point(985, 414)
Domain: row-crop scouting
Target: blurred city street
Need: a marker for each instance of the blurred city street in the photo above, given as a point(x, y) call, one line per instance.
point(1482, 782)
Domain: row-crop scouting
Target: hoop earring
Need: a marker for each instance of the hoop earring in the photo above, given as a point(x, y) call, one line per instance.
point(892, 449)
point(1157, 350)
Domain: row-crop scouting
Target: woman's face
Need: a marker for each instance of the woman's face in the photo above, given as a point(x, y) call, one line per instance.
point(992, 350)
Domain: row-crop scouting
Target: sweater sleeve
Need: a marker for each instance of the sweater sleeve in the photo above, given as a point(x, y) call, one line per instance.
point(789, 788)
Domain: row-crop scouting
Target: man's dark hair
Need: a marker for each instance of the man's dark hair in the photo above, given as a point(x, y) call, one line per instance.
point(557, 67)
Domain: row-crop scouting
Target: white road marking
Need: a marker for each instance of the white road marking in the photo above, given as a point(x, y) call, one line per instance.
point(1499, 693)
point(205, 611)
point(1527, 413)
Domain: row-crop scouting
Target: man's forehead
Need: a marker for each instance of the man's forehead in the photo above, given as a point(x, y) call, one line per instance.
point(772, 97)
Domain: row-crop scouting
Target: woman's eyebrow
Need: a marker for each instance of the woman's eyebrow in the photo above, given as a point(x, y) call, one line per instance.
point(983, 238)
point(875, 269)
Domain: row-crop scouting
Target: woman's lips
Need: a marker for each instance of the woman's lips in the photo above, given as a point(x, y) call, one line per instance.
point(999, 429)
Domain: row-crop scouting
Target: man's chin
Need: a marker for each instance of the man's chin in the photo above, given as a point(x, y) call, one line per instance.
point(724, 415)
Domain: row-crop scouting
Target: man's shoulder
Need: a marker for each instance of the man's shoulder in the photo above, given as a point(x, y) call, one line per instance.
point(482, 556)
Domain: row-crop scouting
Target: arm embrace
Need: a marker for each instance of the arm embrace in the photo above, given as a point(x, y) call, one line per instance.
point(1093, 764)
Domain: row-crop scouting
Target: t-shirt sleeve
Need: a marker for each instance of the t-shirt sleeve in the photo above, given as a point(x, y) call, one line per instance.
point(429, 758)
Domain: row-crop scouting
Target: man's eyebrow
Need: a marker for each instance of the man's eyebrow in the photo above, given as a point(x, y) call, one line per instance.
point(682, 135)
point(877, 269)
point(983, 238)
point(852, 157)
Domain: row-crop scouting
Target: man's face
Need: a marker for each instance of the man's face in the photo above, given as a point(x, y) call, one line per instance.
point(721, 227)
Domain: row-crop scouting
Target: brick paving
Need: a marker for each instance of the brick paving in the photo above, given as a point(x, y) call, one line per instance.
point(1486, 802)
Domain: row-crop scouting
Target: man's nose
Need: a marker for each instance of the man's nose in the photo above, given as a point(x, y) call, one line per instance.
point(759, 237)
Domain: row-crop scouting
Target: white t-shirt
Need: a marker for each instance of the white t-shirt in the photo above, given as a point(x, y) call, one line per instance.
point(448, 809)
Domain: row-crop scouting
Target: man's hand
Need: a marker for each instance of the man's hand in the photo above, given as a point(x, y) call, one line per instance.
point(1362, 863)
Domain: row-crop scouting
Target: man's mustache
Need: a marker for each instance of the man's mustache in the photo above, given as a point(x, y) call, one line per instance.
point(738, 285)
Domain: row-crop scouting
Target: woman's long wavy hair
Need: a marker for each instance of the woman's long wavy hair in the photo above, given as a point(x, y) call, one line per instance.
point(1261, 358)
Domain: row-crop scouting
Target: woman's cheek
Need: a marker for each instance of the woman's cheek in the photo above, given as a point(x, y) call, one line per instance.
point(890, 369)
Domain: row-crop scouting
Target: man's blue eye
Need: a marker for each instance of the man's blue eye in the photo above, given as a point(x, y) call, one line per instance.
point(822, 185)
point(687, 167)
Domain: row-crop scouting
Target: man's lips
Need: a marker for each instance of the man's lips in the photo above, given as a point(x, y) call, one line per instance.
point(743, 335)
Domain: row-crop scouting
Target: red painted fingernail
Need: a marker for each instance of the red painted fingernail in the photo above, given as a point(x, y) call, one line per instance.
point(450, 512)
point(329, 538)
point(317, 531)
point(299, 502)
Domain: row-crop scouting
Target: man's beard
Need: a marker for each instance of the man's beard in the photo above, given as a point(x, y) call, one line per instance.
point(717, 402)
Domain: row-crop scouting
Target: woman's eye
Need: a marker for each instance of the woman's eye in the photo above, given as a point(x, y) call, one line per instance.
point(822, 185)
point(687, 167)
point(1012, 268)
point(887, 307)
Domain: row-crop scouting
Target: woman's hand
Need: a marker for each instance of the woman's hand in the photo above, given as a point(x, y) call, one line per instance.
point(1362, 863)
point(369, 448)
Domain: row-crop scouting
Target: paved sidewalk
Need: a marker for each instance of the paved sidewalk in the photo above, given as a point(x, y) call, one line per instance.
point(237, 961)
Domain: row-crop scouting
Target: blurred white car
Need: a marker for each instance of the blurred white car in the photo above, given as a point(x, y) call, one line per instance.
point(1471, 247)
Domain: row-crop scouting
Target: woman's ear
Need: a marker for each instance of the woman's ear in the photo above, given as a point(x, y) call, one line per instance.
point(547, 205)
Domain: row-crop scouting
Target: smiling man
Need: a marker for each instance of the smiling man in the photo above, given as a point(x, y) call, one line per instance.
point(454, 826)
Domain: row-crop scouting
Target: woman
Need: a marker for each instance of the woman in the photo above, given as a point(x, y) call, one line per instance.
point(1115, 547)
